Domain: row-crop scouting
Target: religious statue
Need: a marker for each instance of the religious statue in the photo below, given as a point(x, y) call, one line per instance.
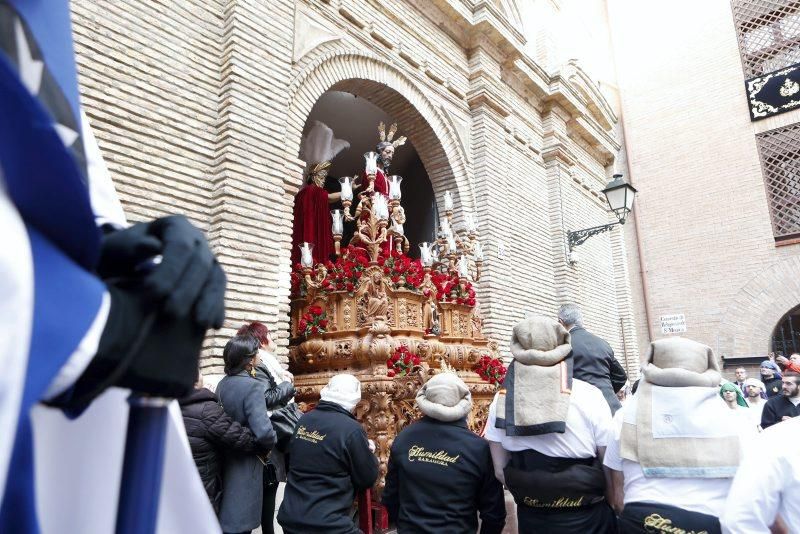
point(312, 219)
point(379, 182)
point(377, 301)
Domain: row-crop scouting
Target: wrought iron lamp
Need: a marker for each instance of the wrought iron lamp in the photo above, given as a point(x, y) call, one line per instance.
point(619, 195)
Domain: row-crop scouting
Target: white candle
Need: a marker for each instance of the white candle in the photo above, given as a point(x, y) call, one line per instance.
point(347, 188)
point(469, 221)
point(448, 201)
point(451, 244)
point(425, 254)
point(463, 267)
point(380, 206)
point(371, 163)
point(445, 226)
point(306, 259)
point(477, 251)
point(394, 187)
point(336, 217)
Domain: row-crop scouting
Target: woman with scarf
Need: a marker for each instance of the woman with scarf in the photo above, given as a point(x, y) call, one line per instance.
point(771, 377)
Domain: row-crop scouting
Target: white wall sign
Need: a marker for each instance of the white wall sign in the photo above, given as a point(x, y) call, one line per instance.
point(673, 324)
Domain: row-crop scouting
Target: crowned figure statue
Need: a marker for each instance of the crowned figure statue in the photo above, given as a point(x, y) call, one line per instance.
point(385, 150)
point(312, 219)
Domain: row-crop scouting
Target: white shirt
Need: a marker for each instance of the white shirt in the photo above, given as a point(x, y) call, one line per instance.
point(588, 427)
point(704, 495)
point(767, 483)
point(755, 410)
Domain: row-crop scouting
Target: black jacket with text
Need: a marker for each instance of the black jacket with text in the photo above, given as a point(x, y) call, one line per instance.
point(329, 462)
point(440, 476)
point(594, 362)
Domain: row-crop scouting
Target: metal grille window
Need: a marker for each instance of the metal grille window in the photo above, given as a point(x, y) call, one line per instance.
point(780, 162)
point(768, 33)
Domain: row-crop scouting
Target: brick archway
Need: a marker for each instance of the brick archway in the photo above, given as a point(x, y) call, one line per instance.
point(384, 85)
point(748, 322)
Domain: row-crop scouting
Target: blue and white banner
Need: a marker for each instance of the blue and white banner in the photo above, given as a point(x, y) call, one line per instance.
point(59, 474)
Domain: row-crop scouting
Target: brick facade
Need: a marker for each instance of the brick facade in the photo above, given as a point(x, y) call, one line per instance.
point(707, 244)
point(199, 108)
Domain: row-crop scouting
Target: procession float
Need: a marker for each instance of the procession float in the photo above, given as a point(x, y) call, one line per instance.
point(369, 309)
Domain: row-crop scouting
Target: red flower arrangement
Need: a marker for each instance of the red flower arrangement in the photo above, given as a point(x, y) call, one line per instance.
point(344, 274)
point(403, 362)
point(403, 272)
point(450, 289)
point(314, 321)
point(491, 370)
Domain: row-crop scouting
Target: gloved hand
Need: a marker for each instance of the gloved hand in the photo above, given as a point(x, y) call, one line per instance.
point(159, 311)
point(187, 279)
point(279, 395)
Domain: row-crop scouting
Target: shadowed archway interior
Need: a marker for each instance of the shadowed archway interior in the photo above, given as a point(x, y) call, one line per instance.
point(355, 118)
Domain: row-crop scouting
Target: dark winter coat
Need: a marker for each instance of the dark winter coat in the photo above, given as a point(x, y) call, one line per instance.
point(242, 397)
point(211, 433)
point(330, 461)
point(440, 475)
point(594, 362)
point(774, 386)
point(775, 409)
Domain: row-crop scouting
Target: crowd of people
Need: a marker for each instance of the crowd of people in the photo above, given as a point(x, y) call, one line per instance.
point(684, 453)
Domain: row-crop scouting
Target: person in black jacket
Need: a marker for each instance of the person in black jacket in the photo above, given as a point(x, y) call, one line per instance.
point(330, 460)
point(784, 406)
point(441, 473)
point(211, 433)
point(772, 378)
point(593, 357)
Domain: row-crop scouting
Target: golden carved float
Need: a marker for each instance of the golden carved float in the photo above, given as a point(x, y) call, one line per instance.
point(351, 315)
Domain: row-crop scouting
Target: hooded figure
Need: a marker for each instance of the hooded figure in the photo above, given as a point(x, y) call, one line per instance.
point(730, 387)
point(441, 447)
point(772, 383)
point(548, 432)
point(330, 461)
point(677, 446)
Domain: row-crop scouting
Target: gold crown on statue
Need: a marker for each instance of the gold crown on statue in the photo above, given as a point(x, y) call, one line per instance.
point(387, 137)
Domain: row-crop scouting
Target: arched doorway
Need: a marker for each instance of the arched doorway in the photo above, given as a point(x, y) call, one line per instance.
point(429, 129)
point(786, 336)
point(356, 120)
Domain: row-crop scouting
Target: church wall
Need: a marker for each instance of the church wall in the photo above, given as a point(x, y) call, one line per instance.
point(222, 145)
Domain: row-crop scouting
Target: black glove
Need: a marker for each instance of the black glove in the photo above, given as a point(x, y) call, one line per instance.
point(188, 277)
point(151, 341)
point(279, 395)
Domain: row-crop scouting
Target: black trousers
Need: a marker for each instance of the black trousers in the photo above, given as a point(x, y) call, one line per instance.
point(268, 508)
point(643, 517)
point(593, 519)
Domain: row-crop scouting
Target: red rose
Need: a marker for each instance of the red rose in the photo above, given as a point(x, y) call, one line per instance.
point(391, 373)
point(323, 323)
point(350, 286)
point(315, 310)
point(301, 326)
point(314, 330)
